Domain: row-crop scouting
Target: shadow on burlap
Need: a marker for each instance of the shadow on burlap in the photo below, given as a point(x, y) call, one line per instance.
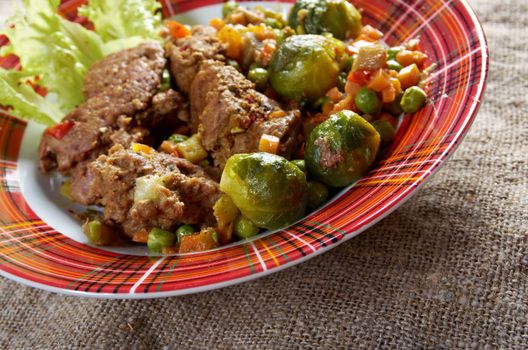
point(447, 270)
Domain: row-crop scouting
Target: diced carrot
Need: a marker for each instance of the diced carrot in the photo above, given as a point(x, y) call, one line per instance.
point(334, 94)
point(169, 250)
point(205, 240)
point(412, 44)
point(409, 76)
point(238, 18)
point(406, 57)
point(352, 88)
point(371, 33)
point(269, 144)
point(396, 85)
point(233, 39)
point(177, 30)
point(169, 147)
point(327, 108)
point(277, 114)
point(217, 23)
point(139, 147)
point(379, 81)
point(346, 103)
point(393, 73)
point(390, 118)
point(388, 94)
point(419, 57)
point(141, 236)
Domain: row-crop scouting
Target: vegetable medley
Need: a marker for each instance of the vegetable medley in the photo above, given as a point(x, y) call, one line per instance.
point(242, 126)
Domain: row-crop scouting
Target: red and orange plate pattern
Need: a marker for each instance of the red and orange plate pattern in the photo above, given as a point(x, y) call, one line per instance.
point(35, 254)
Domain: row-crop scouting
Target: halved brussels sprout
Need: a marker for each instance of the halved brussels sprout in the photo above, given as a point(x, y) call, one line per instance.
point(340, 150)
point(338, 17)
point(305, 67)
point(268, 189)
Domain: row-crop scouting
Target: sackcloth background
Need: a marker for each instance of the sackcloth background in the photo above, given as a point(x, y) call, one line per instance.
point(447, 270)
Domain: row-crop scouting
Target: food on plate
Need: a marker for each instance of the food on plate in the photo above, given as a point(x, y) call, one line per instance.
point(340, 150)
point(267, 189)
point(184, 138)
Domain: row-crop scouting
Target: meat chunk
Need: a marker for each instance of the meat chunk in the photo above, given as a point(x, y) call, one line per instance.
point(128, 73)
point(117, 87)
point(141, 191)
point(231, 116)
point(186, 54)
point(167, 109)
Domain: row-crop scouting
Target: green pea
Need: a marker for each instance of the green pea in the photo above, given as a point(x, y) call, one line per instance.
point(393, 52)
point(273, 23)
point(100, 234)
point(300, 164)
point(317, 194)
point(386, 131)
point(229, 7)
point(394, 65)
point(245, 228)
point(185, 230)
point(177, 138)
point(413, 99)
point(367, 101)
point(159, 239)
point(341, 81)
point(259, 76)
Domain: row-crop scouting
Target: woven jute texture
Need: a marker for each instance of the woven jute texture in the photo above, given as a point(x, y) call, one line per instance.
point(447, 270)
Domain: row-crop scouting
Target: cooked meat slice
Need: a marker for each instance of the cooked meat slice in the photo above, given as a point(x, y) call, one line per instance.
point(167, 109)
point(141, 191)
point(137, 69)
point(231, 116)
point(109, 108)
point(186, 54)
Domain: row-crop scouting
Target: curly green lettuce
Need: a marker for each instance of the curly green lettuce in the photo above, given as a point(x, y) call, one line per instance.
point(58, 53)
point(117, 19)
point(18, 94)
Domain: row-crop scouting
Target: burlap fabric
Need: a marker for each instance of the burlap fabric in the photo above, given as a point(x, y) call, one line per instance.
point(447, 270)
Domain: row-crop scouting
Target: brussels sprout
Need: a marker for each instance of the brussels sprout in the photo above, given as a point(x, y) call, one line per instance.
point(268, 189)
point(340, 150)
point(300, 164)
point(245, 228)
point(338, 17)
point(305, 67)
point(317, 194)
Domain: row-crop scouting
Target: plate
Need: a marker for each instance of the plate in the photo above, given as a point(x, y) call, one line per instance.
point(42, 246)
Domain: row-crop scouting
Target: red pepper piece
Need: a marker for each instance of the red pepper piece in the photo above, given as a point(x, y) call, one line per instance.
point(60, 130)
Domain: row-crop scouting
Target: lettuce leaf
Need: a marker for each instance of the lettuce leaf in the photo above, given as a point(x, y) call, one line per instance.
point(24, 101)
point(60, 52)
point(118, 19)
